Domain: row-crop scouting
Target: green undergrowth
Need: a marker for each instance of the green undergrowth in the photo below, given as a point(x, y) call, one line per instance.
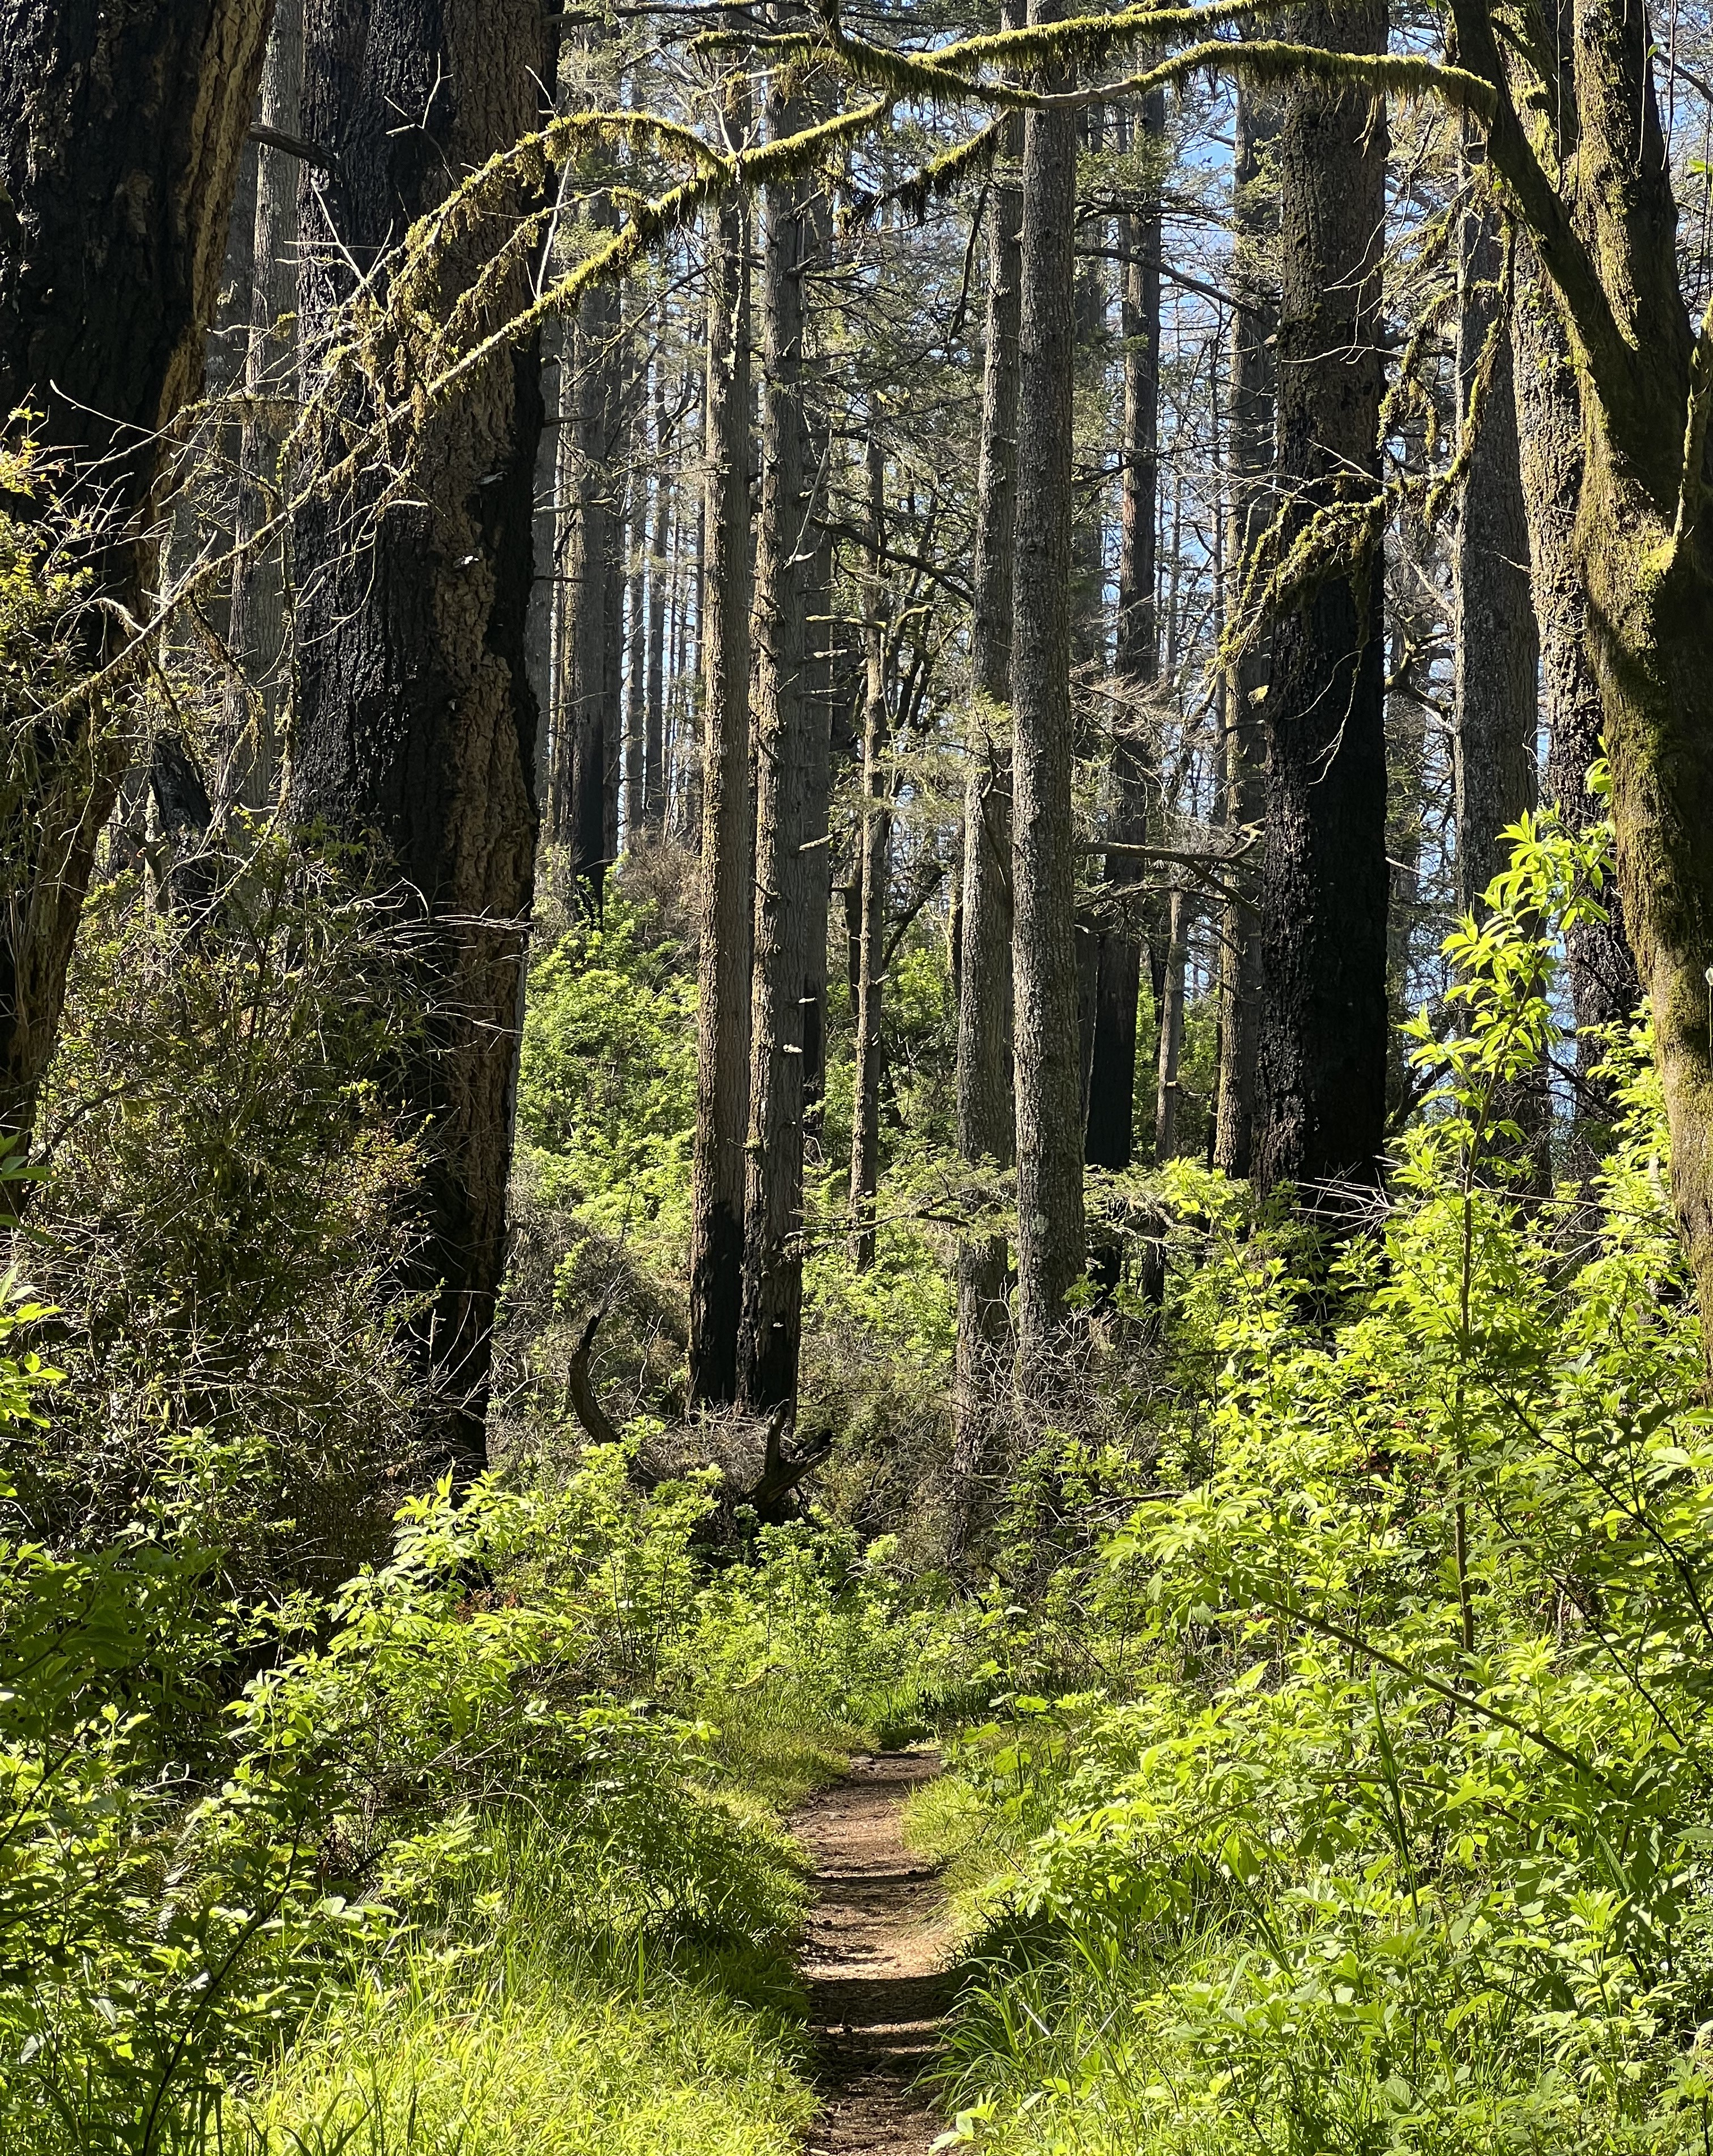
point(1350, 1793)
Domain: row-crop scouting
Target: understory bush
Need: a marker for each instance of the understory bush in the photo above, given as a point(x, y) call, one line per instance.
point(1380, 1813)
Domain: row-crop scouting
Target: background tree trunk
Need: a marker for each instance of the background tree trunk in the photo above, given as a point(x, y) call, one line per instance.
point(1049, 1150)
point(256, 633)
point(104, 319)
point(1498, 651)
point(875, 874)
point(415, 727)
point(723, 971)
point(1250, 456)
point(986, 1114)
point(1112, 1074)
point(1321, 1058)
point(1604, 987)
point(772, 1308)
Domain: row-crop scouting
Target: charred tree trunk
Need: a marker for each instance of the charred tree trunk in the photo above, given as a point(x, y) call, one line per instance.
point(120, 137)
point(1249, 467)
point(256, 633)
point(1049, 1150)
point(772, 1288)
point(415, 725)
point(875, 872)
point(723, 1035)
point(1321, 1058)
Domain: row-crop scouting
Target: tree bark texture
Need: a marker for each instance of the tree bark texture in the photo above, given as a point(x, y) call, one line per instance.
point(1249, 455)
point(120, 136)
point(1604, 987)
point(1321, 1057)
point(414, 731)
point(1050, 1149)
point(986, 1110)
point(723, 969)
point(654, 735)
point(783, 706)
point(1582, 155)
point(1498, 651)
point(1118, 967)
point(875, 870)
point(256, 633)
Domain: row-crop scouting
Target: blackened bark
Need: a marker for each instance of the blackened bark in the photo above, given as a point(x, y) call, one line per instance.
point(121, 136)
point(723, 973)
point(784, 707)
point(1321, 1063)
point(415, 727)
point(1112, 1073)
point(1050, 1148)
point(1249, 466)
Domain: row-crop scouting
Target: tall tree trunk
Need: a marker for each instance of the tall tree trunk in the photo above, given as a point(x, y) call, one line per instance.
point(1321, 1058)
point(415, 727)
point(1049, 1150)
point(986, 1114)
point(772, 1294)
point(542, 627)
point(1604, 987)
point(1165, 1096)
point(1249, 469)
point(654, 740)
point(1112, 1076)
point(723, 971)
point(120, 136)
point(874, 873)
point(1498, 651)
point(256, 632)
point(635, 641)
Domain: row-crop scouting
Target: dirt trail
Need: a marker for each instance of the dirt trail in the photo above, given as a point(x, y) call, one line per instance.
point(871, 1959)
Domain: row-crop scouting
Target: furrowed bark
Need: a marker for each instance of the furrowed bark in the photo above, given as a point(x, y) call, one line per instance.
point(120, 137)
point(723, 971)
point(987, 1117)
point(1249, 467)
point(875, 874)
point(1321, 1058)
point(1050, 1149)
point(771, 1324)
point(414, 731)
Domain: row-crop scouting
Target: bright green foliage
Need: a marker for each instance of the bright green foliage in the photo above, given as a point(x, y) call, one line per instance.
point(607, 1087)
point(1393, 1833)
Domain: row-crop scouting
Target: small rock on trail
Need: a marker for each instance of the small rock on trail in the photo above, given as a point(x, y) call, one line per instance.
point(872, 1960)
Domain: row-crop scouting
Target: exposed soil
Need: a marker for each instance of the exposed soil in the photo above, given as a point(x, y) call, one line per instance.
point(872, 1960)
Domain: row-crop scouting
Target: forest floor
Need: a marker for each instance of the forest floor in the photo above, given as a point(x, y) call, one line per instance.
point(873, 1960)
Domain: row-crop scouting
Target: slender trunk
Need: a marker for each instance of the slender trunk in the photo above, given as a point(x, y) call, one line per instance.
point(1050, 1149)
point(425, 621)
point(613, 583)
point(817, 851)
point(120, 137)
point(1498, 650)
point(772, 1305)
point(1249, 469)
point(256, 628)
point(583, 749)
point(542, 624)
point(1112, 1076)
point(723, 1034)
point(875, 872)
point(655, 739)
point(1172, 1028)
point(1321, 1077)
point(986, 1115)
point(636, 646)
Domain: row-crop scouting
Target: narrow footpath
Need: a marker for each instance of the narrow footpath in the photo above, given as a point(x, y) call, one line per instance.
point(871, 1960)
